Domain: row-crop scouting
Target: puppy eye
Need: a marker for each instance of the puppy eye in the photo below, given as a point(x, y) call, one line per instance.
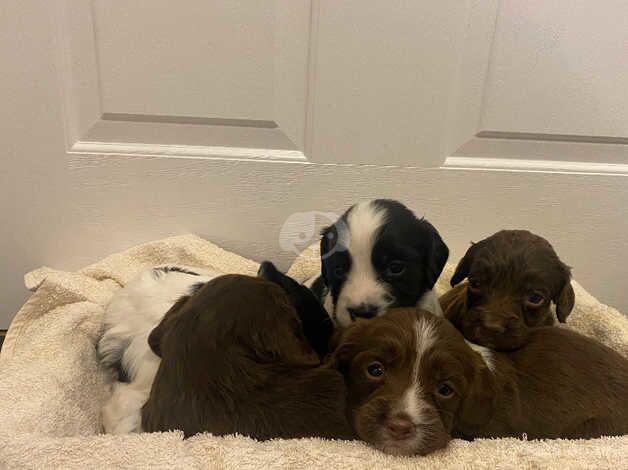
point(396, 268)
point(375, 370)
point(444, 390)
point(475, 284)
point(339, 272)
point(535, 299)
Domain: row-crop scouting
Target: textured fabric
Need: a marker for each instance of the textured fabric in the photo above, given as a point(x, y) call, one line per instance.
point(52, 387)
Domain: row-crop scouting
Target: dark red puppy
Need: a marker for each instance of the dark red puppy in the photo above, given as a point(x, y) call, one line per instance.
point(514, 278)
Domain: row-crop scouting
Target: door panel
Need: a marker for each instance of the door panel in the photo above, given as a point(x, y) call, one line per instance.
point(384, 73)
point(203, 79)
point(200, 59)
point(538, 88)
point(558, 68)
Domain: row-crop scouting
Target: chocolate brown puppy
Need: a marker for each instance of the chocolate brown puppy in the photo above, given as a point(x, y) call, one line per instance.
point(414, 383)
point(514, 277)
point(234, 359)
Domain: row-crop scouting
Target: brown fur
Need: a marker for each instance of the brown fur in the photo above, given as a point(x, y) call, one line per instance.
point(506, 271)
point(375, 404)
point(559, 385)
point(235, 360)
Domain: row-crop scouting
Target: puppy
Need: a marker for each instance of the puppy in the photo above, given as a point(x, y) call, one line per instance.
point(137, 309)
point(376, 256)
point(401, 370)
point(234, 359)
point(414, 382)
point(129, 317)
point(514, 277)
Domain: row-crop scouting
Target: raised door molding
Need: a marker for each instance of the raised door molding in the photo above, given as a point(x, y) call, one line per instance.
point(536, 89)
point(384, 74)
point(478, 84)
point(202, 79)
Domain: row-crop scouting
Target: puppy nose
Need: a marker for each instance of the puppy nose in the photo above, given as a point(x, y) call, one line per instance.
point(494, 325)
point(400, 427)
point(362, 311)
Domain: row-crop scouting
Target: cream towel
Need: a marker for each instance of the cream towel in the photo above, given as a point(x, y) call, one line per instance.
point(52, 388)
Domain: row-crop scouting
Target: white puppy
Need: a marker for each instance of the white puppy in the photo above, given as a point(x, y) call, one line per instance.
point(129, 318)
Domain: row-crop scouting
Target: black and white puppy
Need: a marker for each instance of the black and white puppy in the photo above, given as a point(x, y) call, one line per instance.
point(378, 255)
point(132, 313)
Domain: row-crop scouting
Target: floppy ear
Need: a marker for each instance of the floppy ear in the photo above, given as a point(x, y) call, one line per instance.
point(565, 300)
point(334, 341)
point(341, 358)
point(477, 406)
point(269, 271)
point(438, 256)
point(454, 304)
point(464, 265)
point(317, 326)
point(343, 349)
point(155, 336)
point(325, 247)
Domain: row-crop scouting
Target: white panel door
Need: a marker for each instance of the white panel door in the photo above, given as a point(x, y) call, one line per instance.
point(124, 122)
point(203, 79)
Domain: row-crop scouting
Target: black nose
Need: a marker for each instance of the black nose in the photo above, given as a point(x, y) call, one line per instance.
point(362, 311)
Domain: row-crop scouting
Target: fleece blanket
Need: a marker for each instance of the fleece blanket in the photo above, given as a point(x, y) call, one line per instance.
point(52, 387)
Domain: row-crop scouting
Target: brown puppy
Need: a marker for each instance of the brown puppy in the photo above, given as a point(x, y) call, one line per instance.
point(234, 359)
point(414, 382)
point(401, 371)
point(514, 276)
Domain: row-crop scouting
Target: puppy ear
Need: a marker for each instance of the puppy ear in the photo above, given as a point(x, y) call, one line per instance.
point(566, 298)
point(269, 271)
point(326, 246)
point(439, 254)
point(477, 406)
point(155, 337)
point(341, 358)
point(343, 349)
point(464, 265)
point(454, 304)
point(317, 326)
point(334, 341)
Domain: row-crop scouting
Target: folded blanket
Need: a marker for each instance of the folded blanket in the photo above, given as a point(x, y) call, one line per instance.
point(52, 387)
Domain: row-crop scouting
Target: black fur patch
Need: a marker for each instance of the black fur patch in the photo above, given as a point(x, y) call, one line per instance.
point(176, 269)
point(115, 362)
point(196, 287)
point(318, 288)
point(317, 326)
point(122, 375)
